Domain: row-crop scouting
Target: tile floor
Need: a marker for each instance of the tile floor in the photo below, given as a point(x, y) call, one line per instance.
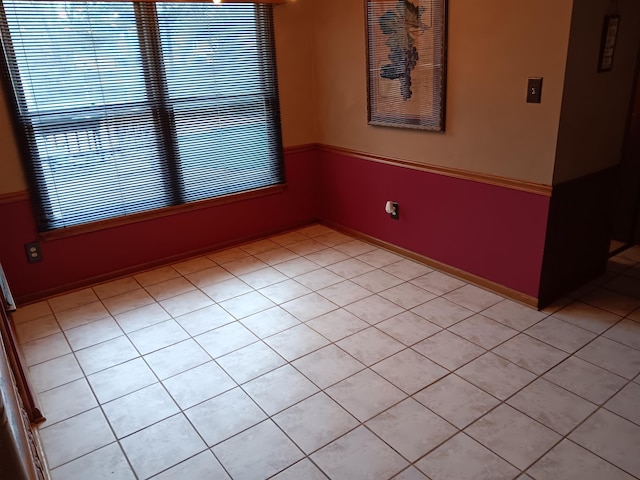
point(312, 355)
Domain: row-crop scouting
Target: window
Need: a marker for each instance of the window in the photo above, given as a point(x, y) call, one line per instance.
point(128, 107)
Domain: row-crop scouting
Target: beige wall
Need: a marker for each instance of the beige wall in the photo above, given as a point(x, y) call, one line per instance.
point(595, 105)
point(11, 177)
point(494, 46)
point(294, 57)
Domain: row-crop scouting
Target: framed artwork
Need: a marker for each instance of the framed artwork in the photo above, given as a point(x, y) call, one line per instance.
point(608, 42)
point(406, 63)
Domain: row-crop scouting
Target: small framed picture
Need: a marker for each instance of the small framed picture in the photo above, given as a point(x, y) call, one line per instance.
point(608, 42)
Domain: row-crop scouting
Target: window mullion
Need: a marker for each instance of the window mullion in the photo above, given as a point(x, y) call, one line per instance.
point(155, 80)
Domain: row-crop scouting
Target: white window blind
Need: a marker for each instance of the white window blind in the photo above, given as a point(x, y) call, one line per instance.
point(127, 107)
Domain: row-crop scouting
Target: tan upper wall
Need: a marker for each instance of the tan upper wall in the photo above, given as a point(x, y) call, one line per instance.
point(494, 46)
point(294, 57)
point(595, 106)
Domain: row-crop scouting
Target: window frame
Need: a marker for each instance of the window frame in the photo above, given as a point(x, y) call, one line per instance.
point(38, 194)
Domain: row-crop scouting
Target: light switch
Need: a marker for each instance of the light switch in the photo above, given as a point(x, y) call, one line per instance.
point(534, 90)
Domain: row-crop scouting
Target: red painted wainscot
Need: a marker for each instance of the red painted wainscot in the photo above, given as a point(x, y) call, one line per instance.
point(492, 231)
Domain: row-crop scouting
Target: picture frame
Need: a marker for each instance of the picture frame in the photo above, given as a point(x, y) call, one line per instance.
point(406, 63)
point(608, 42)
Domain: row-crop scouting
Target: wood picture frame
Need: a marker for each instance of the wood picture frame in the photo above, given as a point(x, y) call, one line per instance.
point(406, 63)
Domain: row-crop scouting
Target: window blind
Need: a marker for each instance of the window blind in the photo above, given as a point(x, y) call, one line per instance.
point(128, 107)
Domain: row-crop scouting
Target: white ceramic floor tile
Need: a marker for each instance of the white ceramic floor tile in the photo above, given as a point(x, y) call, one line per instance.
point(243, 265)
point(553, 406)
point(496, 375)
point(344, 293)
point(72, 300)
point(76, 436)
point(483, 331)
point(611, 301)
point(626, 332)
point(318, 279)
point(530, 353)
point(176, 359)
point(36, 329)
point(359, 455)
point(586, 380)
point(379, 258)
point(228, 255)
point(376, 281)
point(309, 306)
point(442, 312)
point(438, 283)
point(327, 366)
point(284, 291)
point(350, 268)
point(227, 289)
point(355, 247)
point(296, 266)
point(125, 378)
point(158, 275)
point(463, 458)
point(93, 333)
point(226, 339)
point(142, 317)
point(169, 288)
point(247, 304)
point(105, 355)
point(374, 309)
point(456, 400)
point(269, 322)
point(77, 316)
point(44, 349)
point(303, 469)
point(448, 350)
point(572, 462)
point(193, 265)
point(625, 403)
point(512, 435)
point(408, 328)
point(263, 278)
point(612, 438)
point(106, 463)
point(411, 473)
point(53, 373)
point(473, 298)
point(411, 429)
point(279, 389)
point(173, 441)
point(209, 276)
point(514, 315)
point(25, 313)
point(407, 295)
point(337, 324)
point(224, 416)
point(612, 356)
point(203, 466)
point(587, 317)
point(561, 334)
point(296, 342)
point(204, 319)
point(56, 406)
point(370, 346)
point(365, 394)
point(128, 301)
point(409, 371)
point(407, 269)
point(198, 384)
point(315, 422)
point(250, 362)
point(186, 303)
point(259, 452)
point(327, 257)
point(139, 409)
point(158, 336)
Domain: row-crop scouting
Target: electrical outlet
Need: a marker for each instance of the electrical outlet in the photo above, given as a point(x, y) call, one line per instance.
point(34, 254)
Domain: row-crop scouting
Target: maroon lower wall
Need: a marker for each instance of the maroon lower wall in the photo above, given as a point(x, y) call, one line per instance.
point(71, 260)
point(493, 232)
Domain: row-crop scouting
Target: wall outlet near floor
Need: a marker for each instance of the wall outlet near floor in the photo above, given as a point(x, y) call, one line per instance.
point(34, 254)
